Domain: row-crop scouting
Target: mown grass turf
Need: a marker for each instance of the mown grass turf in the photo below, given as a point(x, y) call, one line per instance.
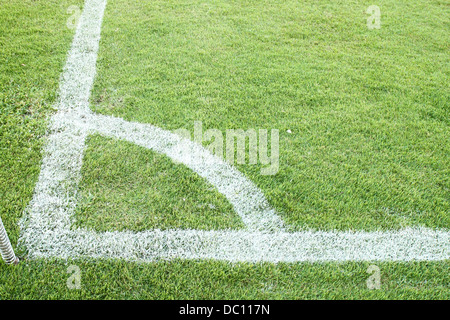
point(34, 42)
point(221, 280)
point(367, 109)
point(146, 190)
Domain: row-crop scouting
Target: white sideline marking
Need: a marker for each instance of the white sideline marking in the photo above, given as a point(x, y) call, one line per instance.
point(47, 224)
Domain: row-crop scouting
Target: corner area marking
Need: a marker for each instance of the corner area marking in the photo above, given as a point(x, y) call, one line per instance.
point(46, 229)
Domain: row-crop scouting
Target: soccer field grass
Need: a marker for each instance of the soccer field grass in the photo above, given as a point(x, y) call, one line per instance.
point(363, 117)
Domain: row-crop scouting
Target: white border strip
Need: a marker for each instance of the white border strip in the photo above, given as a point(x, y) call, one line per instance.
point(47, 224)
point(234, 246)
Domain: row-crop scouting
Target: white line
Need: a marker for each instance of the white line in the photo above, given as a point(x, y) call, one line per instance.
point(47, 224)
point(247, 200)
point(54, 199)
point(312, 246)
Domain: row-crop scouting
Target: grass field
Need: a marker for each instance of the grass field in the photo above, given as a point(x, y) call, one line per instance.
point(364, 136)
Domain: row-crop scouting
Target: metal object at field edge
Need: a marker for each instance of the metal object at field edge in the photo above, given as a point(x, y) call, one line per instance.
point(6, 249)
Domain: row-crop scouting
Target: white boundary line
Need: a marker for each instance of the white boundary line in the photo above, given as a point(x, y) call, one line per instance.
point(47, 224)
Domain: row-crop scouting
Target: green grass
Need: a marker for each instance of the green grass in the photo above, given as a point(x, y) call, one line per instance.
point(34, 42)
point(368, 111)
point(146, 190)
point(221, 280)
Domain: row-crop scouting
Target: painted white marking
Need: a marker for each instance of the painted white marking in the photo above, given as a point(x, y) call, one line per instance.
point(47, 224)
